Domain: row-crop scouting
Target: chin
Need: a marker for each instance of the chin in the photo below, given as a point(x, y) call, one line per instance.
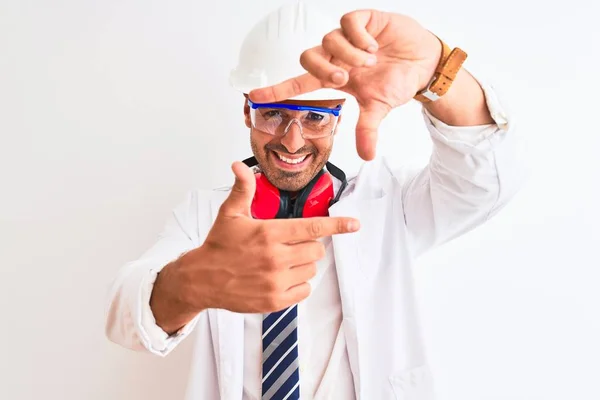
point(289, 181)
point(291, 178)
point(290, 184)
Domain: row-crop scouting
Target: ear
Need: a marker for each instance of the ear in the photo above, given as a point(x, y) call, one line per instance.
point(247, 112)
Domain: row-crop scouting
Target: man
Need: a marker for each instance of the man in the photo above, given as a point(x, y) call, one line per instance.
point(321, 307)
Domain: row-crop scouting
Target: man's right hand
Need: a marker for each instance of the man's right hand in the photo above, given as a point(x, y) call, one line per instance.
point(247, 265)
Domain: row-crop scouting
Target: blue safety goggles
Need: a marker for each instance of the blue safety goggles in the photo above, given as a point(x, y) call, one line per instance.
point(293, 107)
point(277, 118)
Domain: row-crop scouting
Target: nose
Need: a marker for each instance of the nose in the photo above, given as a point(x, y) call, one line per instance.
point(292, 138)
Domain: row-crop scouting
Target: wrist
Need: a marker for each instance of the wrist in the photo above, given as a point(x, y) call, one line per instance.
point(192, 280)
point(169, 301)
point(463, 105)
point(433, 48)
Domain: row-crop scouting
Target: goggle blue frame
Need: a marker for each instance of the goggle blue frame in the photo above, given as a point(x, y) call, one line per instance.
point(335, 111)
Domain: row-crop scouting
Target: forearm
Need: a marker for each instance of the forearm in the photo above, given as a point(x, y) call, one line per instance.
point(168, 301)
point(473, 172)
point(463, 105)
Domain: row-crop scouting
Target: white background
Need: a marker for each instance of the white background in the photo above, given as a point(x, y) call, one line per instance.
point(111, 110)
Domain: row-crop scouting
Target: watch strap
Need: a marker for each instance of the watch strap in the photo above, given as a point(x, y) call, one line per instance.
point(450, 63)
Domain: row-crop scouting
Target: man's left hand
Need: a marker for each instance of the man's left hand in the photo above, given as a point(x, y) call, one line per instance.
point(382, 59)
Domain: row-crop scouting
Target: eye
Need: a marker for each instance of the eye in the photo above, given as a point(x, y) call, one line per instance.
point(314, 117)
point(271, 114)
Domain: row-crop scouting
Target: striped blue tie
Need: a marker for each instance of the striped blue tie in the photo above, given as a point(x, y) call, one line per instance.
point(280, 373)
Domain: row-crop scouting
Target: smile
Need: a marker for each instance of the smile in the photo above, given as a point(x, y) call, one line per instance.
point(292, 160)
point(288, 162)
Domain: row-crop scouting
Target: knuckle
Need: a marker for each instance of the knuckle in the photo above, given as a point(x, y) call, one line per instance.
point(274, 92)
point(312, 269)
point(328, 40)
point(296, 87)
point(264, 235)
point(271, 286)
point(271, 263)
point(356, 57)
point(237, 188)
point(346, 20)
point(211, 244)
point(293, 230)
point(271, 303)
point(316, 251)
point(266, 257)
point(274, 303)
point(316, 228)
point(341, 226)
point(305, 59)
point(224, 212)
point(320, 252)
point(303, 293)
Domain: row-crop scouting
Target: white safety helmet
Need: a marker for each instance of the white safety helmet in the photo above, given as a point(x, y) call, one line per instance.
point(271, 51)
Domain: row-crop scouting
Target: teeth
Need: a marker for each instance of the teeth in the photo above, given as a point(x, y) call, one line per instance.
point(291, 160)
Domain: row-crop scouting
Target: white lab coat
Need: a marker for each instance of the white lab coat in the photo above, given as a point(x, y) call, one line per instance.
point(471, 175)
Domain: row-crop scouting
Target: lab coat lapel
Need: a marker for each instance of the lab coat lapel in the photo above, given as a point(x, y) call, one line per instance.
point(345, 248)
point(227, 330)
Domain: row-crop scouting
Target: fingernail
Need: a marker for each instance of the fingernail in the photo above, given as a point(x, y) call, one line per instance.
point(338, 77)
point(353, 226)
point(370, 61)
point(372, 48)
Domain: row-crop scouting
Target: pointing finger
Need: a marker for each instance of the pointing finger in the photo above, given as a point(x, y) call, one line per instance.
point(302, 230)
point(285, 90)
